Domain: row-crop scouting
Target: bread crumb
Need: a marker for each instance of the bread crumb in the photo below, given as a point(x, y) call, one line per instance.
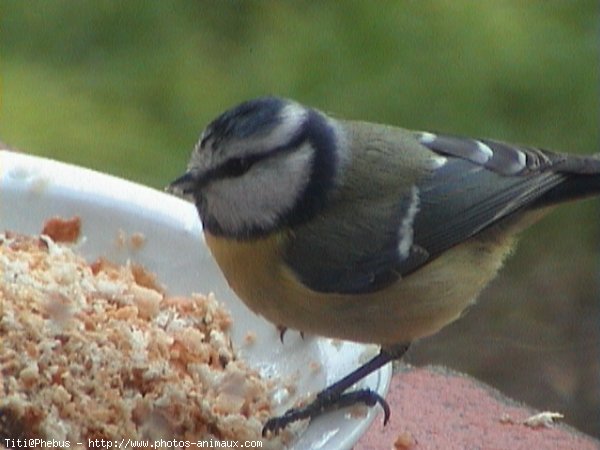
point(250, 338)
point(404, 441)
point(63, 230)
point(542, 420)
point(99, 350)
point(137, 241)
point(145, 278)
point(539, 420)
point(314, 367)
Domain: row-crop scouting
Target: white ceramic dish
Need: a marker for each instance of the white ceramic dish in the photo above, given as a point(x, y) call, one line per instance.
point(33, 189)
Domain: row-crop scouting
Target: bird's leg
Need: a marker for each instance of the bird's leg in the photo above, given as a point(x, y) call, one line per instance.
point(283, 329)
point(334, 396)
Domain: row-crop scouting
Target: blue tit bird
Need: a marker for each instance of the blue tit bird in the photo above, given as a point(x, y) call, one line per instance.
point(361, 231)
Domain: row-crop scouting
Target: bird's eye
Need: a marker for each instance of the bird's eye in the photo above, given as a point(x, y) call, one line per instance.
point(237, 166)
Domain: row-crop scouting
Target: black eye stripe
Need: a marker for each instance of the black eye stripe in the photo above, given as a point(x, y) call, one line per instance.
point(236, 167)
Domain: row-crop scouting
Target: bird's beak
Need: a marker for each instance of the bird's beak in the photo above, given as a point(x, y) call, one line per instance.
point(183, 186)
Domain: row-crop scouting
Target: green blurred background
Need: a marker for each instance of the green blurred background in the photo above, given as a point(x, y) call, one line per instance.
point(126, 88)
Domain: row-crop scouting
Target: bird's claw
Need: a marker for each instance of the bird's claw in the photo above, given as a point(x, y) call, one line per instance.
point(283, 329)
point(325, 401)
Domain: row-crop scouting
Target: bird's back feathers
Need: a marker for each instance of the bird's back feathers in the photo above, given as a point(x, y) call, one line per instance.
point(392, 227)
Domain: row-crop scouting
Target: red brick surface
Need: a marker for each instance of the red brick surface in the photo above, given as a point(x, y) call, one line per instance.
point(433, 408)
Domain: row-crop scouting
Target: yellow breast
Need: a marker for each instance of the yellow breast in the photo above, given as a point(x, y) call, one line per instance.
point(414, 307)
point(252, 269)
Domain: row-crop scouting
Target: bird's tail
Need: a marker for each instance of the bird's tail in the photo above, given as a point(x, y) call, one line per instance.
point(581, 180)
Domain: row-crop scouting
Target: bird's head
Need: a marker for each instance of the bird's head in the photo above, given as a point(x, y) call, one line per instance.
point(264, 164)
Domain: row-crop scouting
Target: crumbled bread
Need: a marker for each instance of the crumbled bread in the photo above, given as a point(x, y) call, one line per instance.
point(63, 230)
point(90, 351)
point(404, 441)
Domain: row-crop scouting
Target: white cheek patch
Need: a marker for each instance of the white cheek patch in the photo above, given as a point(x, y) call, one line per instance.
point(262, 195)
point(406, 232)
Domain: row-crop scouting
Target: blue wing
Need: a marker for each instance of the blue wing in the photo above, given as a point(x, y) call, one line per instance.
point(359, 248)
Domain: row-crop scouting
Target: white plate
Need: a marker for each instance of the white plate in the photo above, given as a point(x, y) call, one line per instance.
point(33, 189)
